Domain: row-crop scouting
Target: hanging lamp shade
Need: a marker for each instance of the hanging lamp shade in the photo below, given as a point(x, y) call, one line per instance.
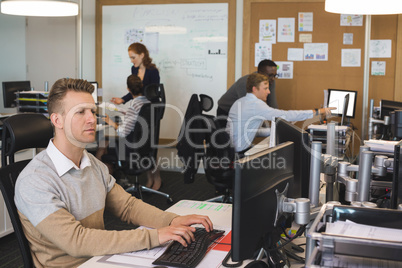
point(364, 7)
point(41, 8)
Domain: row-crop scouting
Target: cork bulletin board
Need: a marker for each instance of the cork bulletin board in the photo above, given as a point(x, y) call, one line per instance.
point(310, 78)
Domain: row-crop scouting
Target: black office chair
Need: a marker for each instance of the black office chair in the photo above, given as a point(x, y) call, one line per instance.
point(20, 131)
point(219, 160)
point(210, 143)
point(23, 131)
point(137, 153)
point(8, 177)
point(190, 144)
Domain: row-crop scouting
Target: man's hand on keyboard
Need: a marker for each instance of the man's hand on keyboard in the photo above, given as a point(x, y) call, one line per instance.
point(180, 229)
point(193, 219)
point(182, 234)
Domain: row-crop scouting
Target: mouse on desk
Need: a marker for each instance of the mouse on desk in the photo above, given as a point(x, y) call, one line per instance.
point(257, 264)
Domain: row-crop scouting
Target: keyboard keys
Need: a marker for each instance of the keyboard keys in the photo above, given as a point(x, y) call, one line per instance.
point(188, 257)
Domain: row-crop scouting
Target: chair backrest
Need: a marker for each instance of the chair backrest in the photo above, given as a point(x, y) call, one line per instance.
point(190, 142)
point(23, 131)
point(8, 177)
point(219, 156)
point(138, 151)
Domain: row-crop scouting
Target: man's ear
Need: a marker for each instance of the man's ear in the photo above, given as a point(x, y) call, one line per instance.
point(255, 89)
point(57, 120)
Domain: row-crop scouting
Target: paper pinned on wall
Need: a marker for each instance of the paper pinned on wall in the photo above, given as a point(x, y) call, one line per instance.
point(268, 31)
point(380, 48)
point(351, 20)
point(286, 30)
point(378, 67)
point(263, 51)
point(316, 51)
point(295, 54)
point(285, 69)
point(348, 39)
point(305, 38)
point(305, 21)
point(351, 57)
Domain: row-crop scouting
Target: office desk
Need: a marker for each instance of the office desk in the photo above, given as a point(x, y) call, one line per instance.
point(220, 214)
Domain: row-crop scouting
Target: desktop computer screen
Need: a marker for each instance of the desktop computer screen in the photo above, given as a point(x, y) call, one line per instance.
point(257, 177)
point(336, 98)
point(9, 90)
point(95, 93)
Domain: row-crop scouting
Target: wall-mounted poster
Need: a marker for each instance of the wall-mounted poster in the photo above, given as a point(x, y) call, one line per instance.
point(305, 21)
point(286, 30)
point(268, 31)
point(263, 51)
point(316, 51)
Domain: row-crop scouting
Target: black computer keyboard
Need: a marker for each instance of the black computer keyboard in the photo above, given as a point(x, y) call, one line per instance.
point(179, 256)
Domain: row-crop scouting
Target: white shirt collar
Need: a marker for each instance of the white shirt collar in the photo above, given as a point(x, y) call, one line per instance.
point(62, 163)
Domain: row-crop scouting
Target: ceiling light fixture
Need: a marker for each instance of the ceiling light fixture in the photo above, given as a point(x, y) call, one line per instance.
point(41, 8)
point(364, 7)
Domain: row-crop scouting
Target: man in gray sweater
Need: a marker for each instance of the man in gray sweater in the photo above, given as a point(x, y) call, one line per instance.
point(63, 192)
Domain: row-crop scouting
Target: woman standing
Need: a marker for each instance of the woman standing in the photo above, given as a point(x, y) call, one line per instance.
point(149, 74)
point(142, 67)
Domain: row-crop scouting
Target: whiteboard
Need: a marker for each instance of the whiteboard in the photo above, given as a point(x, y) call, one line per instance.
point(187, 42)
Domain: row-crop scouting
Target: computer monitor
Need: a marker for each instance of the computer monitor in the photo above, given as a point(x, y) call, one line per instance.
point(336, 98)
point(286, 131)
point(9, 90)
point(257, 177)
point(95, 93)
point(396, 193)
point(388, 106)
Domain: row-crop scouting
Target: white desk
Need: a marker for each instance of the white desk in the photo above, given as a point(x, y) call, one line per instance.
point(220, 214)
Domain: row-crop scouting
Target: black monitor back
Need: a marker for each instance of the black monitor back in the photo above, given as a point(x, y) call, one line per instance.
point(396, 193)
point(257, 177)
point(285, 131)
point(388, 106)
point(9, 89)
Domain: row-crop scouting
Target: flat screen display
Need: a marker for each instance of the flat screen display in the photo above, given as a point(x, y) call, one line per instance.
point(336, 99)
point(95, 93)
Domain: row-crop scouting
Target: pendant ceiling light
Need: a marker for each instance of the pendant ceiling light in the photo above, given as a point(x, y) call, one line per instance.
point(41, 8)
point(364, 7)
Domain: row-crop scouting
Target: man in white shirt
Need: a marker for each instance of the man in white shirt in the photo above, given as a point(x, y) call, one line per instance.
point(249, 112)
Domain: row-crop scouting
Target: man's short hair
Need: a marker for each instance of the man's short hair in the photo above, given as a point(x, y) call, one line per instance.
point(265, 63)
point(134, 85)
point(254, 80)
point(60, 89)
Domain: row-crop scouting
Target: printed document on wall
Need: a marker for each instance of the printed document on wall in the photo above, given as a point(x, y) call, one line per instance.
point(263, 51)
point(380, 48)
point(268, 31)
point(378, 68)
point(351, 57)
point(316, 51)
point(286, 30)
point(295, 54)
point(351, 20)
point(305, 21)
point(285, 70)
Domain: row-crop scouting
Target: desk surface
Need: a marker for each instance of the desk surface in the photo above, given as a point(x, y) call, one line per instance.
point(220, 214)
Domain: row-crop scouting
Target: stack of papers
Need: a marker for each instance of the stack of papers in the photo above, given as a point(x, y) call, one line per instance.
point(112, 107)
